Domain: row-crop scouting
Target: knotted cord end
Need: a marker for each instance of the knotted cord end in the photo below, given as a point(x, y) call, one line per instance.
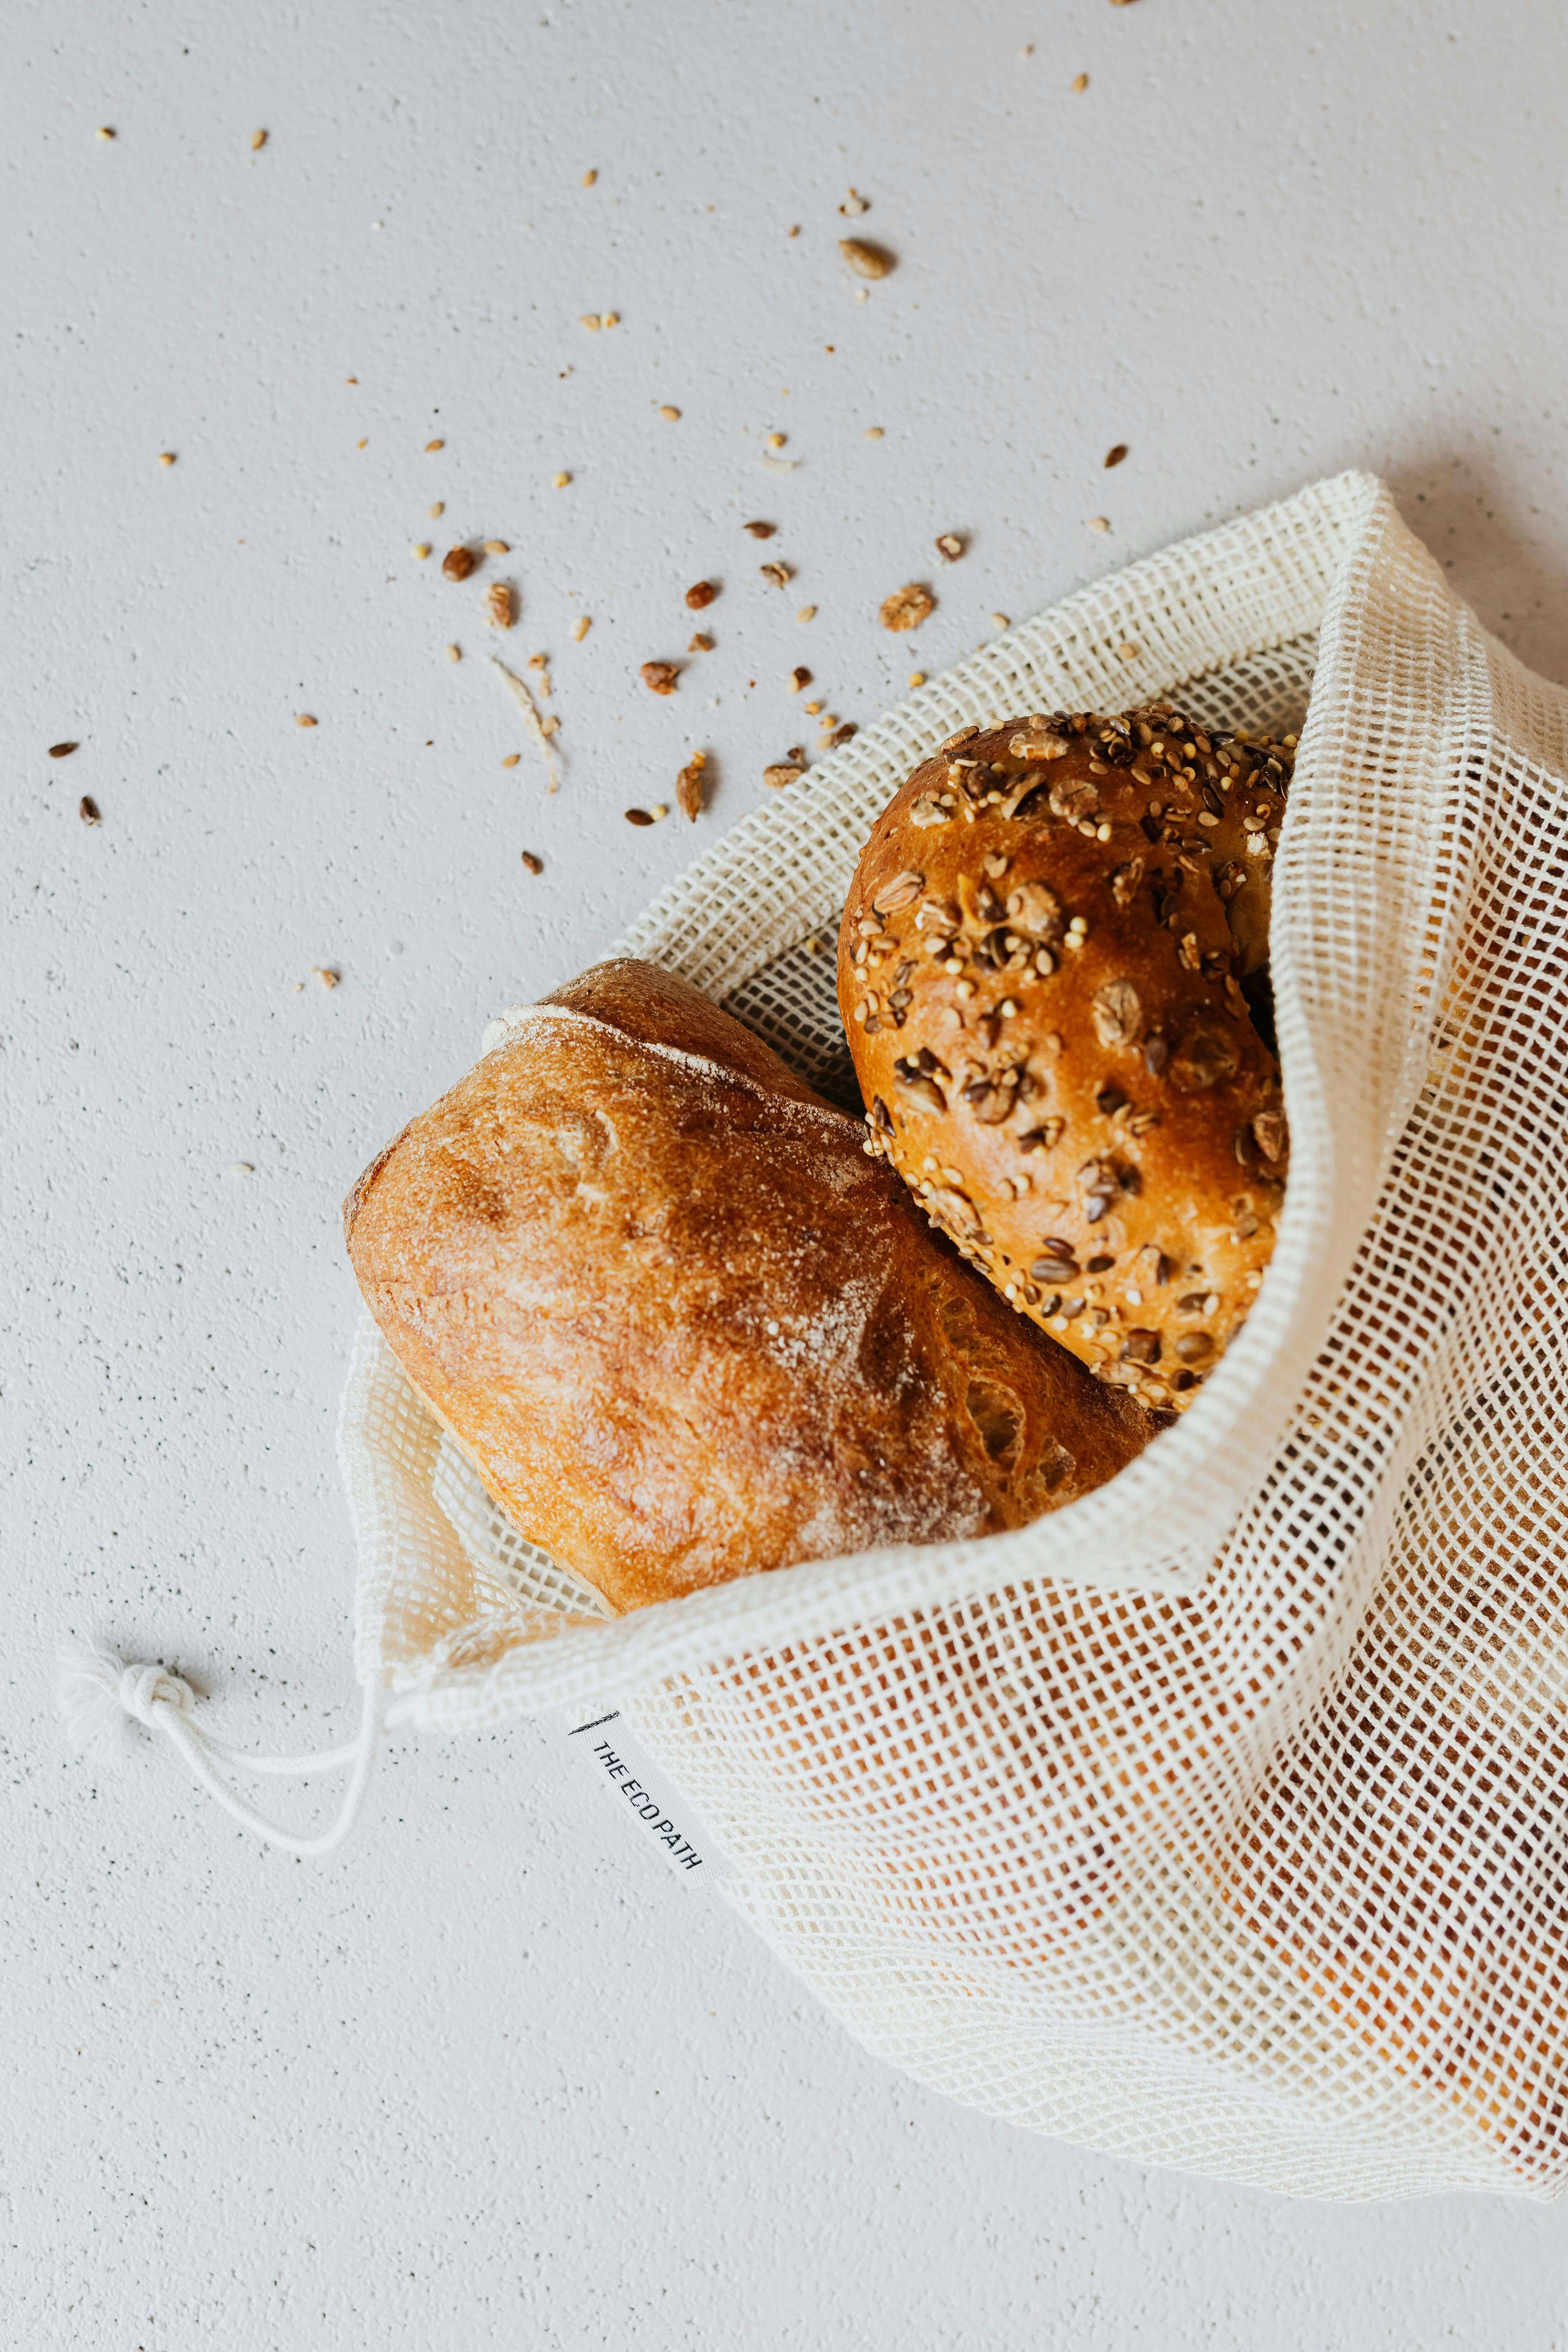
point(99, 1695)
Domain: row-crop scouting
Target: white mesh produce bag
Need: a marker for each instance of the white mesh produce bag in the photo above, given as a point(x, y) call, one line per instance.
point(1217, 1819)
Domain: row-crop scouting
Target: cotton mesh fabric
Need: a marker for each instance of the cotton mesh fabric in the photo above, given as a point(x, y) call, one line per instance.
point(1218, 1819)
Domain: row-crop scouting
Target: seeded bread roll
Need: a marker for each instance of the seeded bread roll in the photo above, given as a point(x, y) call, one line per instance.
point(1041, 969)
point(684, 1327)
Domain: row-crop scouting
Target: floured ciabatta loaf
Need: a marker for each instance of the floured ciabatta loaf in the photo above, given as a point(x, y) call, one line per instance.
point(684, 1327)
point(1041, 969)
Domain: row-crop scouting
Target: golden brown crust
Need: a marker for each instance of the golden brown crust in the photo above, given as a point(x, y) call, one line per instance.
point(685, 1326)
point(1041, 969)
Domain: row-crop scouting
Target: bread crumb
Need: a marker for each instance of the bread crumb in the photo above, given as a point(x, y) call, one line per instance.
point(907, 607)
point(457, 562)
point(612, 317)
point(592, 321)
point(324, 973)
point(779, 573)
point(1001, 620)
point(659, 676)
point(499, 611)
point(534, 865)
point(701, 594)
point(689, 789)
point(519, 691)
point(798, 679)
point(949, 546)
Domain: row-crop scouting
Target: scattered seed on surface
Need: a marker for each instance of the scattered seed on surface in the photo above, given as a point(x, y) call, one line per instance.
point(454, 653)
point(458, 562)
point(421, 549)
point(658, 676)
point(1099, 522)
point(166, 456)
point(62, 750)
point(638, 816)
point(779, 573)
point(592, 321)
point(689, 786)
point(866, 261)
point(798, 679)
point(907, 607)
point(699, 644)
point(806, 613)
point(1114, 456)
point(438, 508)
point(581, 626)
point(701, 594)
point(499, 611)
point(612, 317)
point(88, 810)
point(240, 1168)
point(103, 131)
point(670, 416)
point(558, 481)
point(1001, 620)
point(589, 178)
point(873, 432)
point(1080, 82)
point(774, 441)
point(324, 973)
point(431, 446)
point(257, 139)
point(497, 547)
point(950, 547)
point(363, 445)
point(304, 719)
point(534, 865)
point(511, 759)
point(1128, 652)
point(917, 678)
point(761, 530)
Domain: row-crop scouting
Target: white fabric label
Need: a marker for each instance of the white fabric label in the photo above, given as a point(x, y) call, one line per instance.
point(668, 1822)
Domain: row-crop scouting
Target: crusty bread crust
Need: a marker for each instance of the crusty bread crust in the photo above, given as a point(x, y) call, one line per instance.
point(1040, 970)
point(685, 1326)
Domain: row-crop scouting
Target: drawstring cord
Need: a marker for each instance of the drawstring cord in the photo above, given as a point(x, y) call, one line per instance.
point(99, 1695)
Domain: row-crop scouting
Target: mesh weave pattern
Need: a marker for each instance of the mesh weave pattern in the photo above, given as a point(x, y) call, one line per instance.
point(1218, 1819)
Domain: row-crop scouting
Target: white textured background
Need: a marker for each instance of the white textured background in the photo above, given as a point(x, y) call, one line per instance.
point(490, 2076)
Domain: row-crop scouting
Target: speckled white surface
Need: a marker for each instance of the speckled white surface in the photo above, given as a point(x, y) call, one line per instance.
point(492, 2075)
